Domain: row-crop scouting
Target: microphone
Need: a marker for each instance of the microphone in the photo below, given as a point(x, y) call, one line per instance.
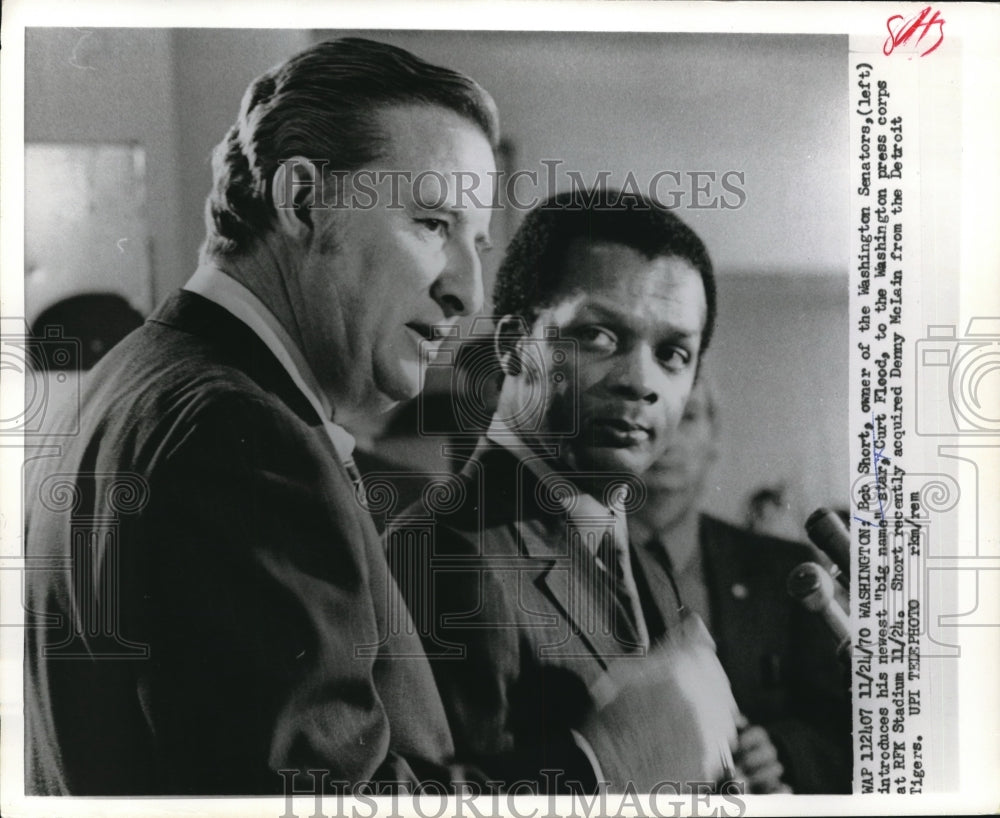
point(813, 588)
point(826, 530)
point(828, 565)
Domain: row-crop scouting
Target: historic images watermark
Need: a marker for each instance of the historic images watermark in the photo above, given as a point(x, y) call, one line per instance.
point(522, 190)
point(319, 796)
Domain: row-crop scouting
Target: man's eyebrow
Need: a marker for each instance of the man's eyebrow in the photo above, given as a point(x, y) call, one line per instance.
point(591, 308)
point(607, 312)
point(460, 215)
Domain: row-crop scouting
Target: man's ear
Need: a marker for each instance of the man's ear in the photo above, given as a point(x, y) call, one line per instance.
point(509, 331)
point(295, 188)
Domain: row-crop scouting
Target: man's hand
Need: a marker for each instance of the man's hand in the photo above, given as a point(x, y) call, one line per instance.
point(666, 717)
point(757, 760)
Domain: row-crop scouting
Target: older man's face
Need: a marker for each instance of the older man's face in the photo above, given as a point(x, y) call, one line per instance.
point(398, 255)
point(636, 324)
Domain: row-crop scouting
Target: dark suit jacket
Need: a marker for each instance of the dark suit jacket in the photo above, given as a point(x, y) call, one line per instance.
point(780, 659)
point(207, 602)
point(510, 617)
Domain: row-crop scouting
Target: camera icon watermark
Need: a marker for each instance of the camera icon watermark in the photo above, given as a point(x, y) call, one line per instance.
point(958, 380)
point(50, 369)
point(474, 376)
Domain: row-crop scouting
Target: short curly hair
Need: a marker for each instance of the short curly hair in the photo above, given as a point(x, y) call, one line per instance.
point(532, 269)
point(322, 103)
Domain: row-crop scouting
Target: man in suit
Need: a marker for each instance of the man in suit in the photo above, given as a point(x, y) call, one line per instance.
point(518, 571)
point(209, 609)
point(780, 661)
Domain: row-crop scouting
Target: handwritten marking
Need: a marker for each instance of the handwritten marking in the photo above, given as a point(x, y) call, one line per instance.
point(121, 243)
point(876, 457)
point(906, 28)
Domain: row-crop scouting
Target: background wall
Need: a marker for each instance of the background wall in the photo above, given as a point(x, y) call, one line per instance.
point(211, 70)
point(779, 362)
point(174, 92)
point(774, 108)
point(108, 85)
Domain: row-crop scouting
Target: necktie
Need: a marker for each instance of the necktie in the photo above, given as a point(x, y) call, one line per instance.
point(359, 486)
point(614, 554)
point(658, 589)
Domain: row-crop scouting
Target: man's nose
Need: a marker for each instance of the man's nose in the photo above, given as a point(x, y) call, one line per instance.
point(459, 288)
point(637, 375)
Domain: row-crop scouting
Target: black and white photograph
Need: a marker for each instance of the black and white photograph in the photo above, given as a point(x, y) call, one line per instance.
point(405, 414)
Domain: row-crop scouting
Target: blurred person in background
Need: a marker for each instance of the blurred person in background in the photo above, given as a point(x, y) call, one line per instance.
point(779, 658)
point(769, 511)
point(96, 321)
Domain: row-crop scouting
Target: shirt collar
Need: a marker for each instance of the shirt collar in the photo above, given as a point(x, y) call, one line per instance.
point(212, 283)
point(681, 543)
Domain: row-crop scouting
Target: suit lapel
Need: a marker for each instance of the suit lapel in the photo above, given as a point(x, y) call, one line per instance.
point(574, 587)
point(567, 575)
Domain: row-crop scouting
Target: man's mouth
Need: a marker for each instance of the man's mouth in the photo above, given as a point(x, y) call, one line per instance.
point(611, 431)
point(427, 341)
point(424, 331)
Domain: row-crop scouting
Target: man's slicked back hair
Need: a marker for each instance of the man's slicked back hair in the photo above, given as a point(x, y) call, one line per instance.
point(323, 104)
point(530, 276)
